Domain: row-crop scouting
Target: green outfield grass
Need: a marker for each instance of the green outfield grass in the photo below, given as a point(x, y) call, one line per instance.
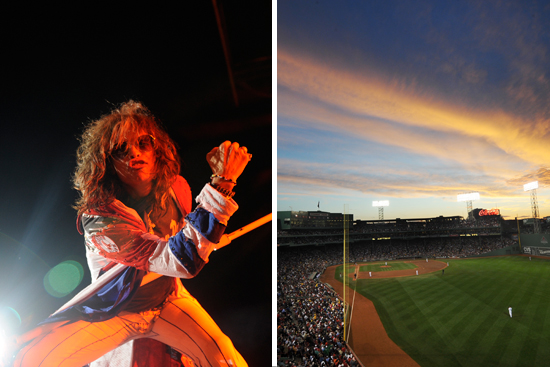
point(392, 266)
point(461, 318)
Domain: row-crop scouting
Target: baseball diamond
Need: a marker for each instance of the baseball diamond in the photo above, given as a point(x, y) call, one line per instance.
point(459, 318)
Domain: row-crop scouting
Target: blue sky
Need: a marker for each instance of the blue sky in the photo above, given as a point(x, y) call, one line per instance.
point(413, 102)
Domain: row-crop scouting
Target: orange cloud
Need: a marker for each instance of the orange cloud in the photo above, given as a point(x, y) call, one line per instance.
point(369, 98)
point(471, 153)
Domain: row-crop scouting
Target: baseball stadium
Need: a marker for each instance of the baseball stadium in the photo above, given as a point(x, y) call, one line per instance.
point(430, 292)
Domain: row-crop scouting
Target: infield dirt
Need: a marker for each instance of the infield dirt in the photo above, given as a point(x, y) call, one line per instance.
point(368, 338)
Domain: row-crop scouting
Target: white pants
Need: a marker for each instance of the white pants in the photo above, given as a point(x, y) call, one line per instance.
point(182, 323)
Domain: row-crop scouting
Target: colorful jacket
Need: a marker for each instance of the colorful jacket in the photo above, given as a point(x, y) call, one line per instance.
point(116, 234)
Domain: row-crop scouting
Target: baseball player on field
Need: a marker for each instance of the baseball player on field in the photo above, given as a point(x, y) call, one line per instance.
point(135, 213)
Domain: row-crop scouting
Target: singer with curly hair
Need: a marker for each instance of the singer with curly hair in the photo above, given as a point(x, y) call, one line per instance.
point(135, 213)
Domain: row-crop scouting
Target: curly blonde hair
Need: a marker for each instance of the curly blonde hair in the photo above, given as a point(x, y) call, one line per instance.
point(95, 178)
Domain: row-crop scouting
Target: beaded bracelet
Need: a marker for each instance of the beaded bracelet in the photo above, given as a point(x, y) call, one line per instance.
point(221, 190)
point(223, 178)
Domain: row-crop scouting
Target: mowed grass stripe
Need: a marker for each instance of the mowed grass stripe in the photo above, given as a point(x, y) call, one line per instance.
point(472, 320)
point(529, 354)
point(456, 309)
point(428, 293)
point(467, 309)
point(475, 345)
point(490, 337)
point(515, 342)
point(502, 288)
point(471, 332)
point(435, 346)
point(511, 342)
point(532, 351)
point(499, 343)
point(423, 327)
point(406, 307)
point(461, 318)
point(542, 352)
point(516, 294)
point(431, 352)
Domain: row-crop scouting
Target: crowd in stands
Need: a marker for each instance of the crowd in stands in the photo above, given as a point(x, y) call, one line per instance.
point(429, 247)
point(490, 225)
point(409, 248)
point(425, 226)
point(310, 314)
point(303, 240)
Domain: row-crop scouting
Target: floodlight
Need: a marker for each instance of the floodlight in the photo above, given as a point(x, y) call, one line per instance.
point(381, 203)
point(468, 197)
point(531, 186)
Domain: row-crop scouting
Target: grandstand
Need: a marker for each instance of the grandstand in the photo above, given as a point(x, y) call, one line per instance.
point(310, 219)
point(418, 237)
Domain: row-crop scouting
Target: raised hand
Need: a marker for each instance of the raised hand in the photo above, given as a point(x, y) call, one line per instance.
point(228, 160)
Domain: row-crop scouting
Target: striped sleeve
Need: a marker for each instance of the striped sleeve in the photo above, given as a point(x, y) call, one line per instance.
point(184, 254)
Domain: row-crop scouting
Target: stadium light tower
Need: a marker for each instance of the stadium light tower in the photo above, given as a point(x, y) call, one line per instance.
point(468, 198)
point(381, 204)
point(532, 188)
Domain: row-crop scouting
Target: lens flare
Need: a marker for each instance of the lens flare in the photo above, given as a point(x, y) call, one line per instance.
point(63, 278)
point(9, 319)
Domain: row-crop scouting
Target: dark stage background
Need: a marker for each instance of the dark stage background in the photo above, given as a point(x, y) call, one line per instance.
point(62, 67)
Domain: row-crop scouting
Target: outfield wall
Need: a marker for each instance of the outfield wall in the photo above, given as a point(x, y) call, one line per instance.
point(510, 250)
point(535, 244)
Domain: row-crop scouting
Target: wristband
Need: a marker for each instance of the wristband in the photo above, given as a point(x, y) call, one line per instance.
point(228, 194)
point(223, 178)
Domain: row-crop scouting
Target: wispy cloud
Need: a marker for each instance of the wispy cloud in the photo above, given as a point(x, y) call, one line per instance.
point(542, 175)
point(475, 150)
point(391, 181)
point(368, 97)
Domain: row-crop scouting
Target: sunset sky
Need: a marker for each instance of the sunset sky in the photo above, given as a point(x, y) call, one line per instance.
point(413, 102)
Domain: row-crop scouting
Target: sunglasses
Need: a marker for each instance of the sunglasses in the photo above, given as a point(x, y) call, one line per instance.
point(145, 143)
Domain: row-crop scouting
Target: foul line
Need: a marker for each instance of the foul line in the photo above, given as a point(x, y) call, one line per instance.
point(352, 304)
